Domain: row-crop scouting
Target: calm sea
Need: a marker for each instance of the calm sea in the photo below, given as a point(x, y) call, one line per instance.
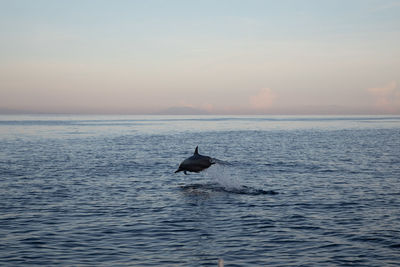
point(295, 191)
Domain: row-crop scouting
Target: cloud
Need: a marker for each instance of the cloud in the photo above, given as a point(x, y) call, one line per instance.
point(386, 98)
point(184, 103)
point(208, 107)
point(264, 99)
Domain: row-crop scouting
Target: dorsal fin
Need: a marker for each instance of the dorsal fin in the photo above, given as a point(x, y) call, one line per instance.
point(196, 151)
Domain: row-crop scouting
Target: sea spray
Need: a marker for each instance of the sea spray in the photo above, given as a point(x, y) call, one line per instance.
point(224, 176)
point(227, 179)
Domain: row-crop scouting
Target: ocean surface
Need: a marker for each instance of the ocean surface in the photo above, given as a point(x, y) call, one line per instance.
point(292, 191)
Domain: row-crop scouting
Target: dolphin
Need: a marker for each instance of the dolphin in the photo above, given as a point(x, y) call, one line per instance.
point(195, 163)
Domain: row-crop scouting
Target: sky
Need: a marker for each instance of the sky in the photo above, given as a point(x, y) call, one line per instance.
point(219, 57)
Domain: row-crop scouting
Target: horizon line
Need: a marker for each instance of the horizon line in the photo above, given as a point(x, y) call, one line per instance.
point(190, 114)
point(331, 110)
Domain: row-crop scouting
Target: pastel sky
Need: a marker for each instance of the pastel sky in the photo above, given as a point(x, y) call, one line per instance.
point(225, 56)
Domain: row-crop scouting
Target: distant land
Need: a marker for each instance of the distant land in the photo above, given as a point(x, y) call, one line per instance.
point(6, 111)
point(184, 110)
point(168, 111)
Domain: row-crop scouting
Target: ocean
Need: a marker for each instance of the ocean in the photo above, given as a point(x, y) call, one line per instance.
point(292, 191)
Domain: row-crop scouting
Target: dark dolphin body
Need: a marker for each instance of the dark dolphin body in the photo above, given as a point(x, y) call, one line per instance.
point(195, 163)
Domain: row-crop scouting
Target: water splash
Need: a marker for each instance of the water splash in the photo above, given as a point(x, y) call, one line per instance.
point(223, 176)
point(225, 179)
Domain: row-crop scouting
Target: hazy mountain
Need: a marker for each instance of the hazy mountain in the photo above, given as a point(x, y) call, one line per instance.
point(183, 111)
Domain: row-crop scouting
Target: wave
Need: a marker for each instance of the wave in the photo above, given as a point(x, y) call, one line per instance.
point(215, 187)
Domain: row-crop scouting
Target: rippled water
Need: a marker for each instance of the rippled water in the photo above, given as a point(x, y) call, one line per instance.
point(101, 190)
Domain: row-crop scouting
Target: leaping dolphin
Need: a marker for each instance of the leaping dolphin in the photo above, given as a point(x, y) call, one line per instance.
point(195, 163)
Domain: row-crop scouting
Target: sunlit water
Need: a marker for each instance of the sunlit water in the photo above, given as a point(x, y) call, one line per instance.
point(101, 191)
